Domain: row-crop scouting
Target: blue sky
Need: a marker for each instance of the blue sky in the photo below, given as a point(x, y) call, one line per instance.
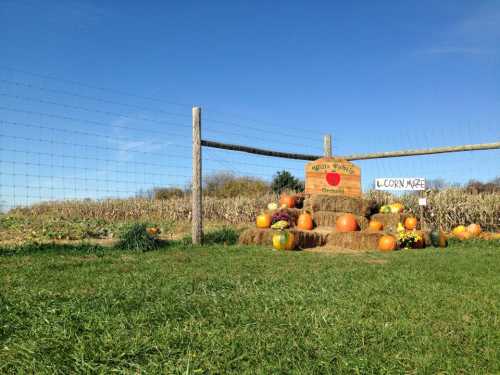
point(378, 76)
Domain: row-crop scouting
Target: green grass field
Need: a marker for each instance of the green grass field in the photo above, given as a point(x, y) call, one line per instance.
point(250, 310)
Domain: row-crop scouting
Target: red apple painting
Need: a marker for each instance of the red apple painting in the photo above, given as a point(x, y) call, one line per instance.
point(333, 178)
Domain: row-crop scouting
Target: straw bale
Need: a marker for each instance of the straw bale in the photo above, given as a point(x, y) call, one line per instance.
point(353, 205)
point(355, 240)
point(256, 236)
point(303, 239)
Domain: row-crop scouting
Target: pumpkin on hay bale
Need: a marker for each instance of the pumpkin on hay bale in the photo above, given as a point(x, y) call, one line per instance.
point(303, 239)
point(329, 219)
point(390, 221)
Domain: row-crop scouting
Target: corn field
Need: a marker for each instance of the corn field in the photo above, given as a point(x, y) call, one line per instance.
point(445, 208)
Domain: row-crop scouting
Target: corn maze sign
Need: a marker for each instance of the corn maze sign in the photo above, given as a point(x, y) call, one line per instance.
point(333, 176)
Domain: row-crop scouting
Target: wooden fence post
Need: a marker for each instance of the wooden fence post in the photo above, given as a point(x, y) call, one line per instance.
point(327, 145)
point(197, 201)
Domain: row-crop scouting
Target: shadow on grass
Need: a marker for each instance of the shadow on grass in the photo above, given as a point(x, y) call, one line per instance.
point(32, 248)
point(83, 248)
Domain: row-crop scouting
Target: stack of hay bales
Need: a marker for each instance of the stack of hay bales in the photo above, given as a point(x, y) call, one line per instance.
point(303, 238)
point(326, 209)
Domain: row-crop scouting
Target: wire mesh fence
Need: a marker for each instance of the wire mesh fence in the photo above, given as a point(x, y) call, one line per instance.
point(64, 140)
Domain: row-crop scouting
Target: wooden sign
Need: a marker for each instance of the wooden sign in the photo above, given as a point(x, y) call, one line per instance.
point(333, 176)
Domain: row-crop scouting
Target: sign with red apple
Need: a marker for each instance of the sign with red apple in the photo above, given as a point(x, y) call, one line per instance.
point(333, 176)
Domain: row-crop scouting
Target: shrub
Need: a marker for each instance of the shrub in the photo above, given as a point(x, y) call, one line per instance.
point(136, 237)
point(476, 187)
point(167, 193)
point(284, 180)
point(228, 185)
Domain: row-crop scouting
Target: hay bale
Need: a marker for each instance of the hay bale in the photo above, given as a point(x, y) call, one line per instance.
point(390, 221)
point(303, 239)
point(319, 202)
point(256, 236)
point(354, 240)
point(328, 219)
point(307, 239)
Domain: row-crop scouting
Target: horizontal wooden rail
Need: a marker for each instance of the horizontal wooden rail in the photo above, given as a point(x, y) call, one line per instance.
point(375, 155)
point(428, 151)
point(258, 151)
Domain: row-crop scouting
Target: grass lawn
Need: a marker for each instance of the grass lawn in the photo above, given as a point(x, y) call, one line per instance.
point(250, 310)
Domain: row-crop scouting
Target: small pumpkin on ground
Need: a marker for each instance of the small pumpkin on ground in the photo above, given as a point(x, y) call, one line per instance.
point(410, 223)
point(459, 229)
point(153, 231)
point(474, 229)
point(375, 225)
point(263, 220)
point(288, 201)
point(387, 243)
point(283, 240)
point(346, 223)
point(305, 221)
point(463, 236)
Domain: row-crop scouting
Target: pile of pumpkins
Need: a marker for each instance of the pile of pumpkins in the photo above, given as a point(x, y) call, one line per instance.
point(388, 242)
point(463, 232)
point(282, 239)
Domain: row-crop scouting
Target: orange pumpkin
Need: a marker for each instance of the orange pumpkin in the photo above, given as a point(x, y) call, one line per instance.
point(375, 225)
point(263, 220)
point(346, 223)
point(474, 229)
point(410, 223)
point(153, 231)
point(387, 243)
point(287, 200)
point(464, 235)
point(305, 221)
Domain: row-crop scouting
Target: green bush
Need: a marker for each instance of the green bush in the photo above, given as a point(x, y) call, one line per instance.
point(136, 237)
point(228, 185)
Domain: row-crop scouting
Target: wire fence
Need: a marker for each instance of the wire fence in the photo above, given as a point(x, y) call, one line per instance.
point(64, 140)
